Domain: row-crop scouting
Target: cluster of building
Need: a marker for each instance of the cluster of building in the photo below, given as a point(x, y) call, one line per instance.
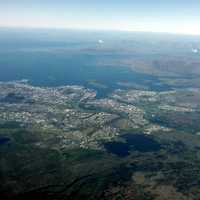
point(80, 118)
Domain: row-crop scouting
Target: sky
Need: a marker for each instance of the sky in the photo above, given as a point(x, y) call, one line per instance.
point(173, 16)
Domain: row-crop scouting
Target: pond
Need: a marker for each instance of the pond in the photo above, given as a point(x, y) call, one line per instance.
point(133, 142)
point(4, 140)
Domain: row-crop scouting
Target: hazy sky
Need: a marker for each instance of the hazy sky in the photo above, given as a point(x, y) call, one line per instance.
point(179, 16)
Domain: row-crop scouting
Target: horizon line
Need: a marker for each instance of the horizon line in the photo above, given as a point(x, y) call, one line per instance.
point(100, 30)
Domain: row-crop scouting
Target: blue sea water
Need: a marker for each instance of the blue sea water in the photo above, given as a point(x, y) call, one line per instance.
point(65, 58)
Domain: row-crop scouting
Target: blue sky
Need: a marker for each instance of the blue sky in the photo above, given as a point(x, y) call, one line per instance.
point(177, 16)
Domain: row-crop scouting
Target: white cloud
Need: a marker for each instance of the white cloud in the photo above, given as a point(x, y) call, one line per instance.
point(100, 41)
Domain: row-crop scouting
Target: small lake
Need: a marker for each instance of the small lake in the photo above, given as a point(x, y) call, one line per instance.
point(133, 142)
point(4, 140)
point(118, 148)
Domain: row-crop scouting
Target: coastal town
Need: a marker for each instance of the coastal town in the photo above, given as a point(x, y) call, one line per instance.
point(81, 119)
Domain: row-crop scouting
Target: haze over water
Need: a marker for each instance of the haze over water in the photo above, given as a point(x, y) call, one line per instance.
point(70, 58)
